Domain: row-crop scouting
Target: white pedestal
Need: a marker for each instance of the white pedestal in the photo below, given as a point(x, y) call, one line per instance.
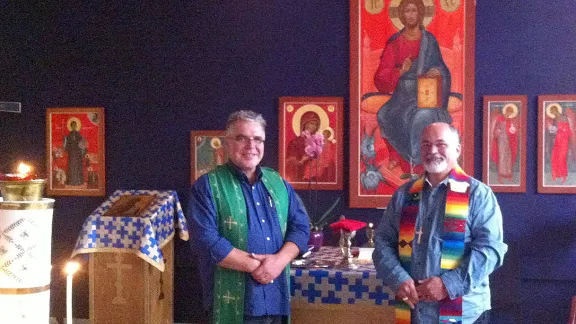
point(25, 261)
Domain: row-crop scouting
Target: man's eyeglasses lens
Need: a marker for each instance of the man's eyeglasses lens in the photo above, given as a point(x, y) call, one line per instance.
point(245, 139)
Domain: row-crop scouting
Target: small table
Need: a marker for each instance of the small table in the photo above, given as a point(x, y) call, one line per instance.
point(321, 293)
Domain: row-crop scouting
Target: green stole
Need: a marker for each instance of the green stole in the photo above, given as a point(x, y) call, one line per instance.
point(455, 217)
point(232, 220)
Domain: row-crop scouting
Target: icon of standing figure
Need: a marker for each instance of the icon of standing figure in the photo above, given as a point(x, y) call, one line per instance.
point(76, 147)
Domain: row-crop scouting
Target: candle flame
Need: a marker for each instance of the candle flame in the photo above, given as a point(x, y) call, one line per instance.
point(24, 169)
point(370, 225)
point(71, 268)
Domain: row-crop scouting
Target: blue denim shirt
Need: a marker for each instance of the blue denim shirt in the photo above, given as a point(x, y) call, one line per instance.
point(484, 249)
point(264, 237)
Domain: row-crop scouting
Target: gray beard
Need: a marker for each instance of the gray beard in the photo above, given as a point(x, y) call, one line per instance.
point(435, 167)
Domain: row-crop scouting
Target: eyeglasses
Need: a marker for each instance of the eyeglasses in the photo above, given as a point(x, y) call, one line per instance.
point(246, 139)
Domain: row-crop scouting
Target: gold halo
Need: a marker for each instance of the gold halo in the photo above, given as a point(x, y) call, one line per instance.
point(75, 119)
point(216, 143)
point(450, 6)
point(551, 115)
point(331, 137)
point(429, 12)
point(324, 122)
point(514, 110)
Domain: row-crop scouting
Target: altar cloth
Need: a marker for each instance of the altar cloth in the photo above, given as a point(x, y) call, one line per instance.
point(319, 282)
point(144, 235)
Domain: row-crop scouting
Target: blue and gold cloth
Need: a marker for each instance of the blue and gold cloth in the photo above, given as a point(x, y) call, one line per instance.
point(144, 235)
point(318, 281)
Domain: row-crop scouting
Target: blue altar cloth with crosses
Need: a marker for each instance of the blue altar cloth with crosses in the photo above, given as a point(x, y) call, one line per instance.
point(319, 282)
point(144, 235)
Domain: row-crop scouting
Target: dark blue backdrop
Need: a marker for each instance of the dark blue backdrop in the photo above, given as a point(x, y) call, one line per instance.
point(161, 70)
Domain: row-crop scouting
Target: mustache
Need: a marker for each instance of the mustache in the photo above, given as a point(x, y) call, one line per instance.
point(434, 157)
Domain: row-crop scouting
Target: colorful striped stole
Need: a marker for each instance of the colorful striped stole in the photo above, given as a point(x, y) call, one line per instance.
point(455, 216)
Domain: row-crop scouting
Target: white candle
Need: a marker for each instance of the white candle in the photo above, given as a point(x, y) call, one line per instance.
point(71, 268)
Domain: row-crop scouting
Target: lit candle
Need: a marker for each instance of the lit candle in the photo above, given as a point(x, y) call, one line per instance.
point(71, 268)
point(24, 173)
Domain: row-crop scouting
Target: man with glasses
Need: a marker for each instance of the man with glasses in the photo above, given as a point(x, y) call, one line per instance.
point(247, 225)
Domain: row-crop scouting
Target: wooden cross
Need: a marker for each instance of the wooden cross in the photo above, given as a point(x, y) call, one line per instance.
point(118, 299)
point(230, 222)
point(228, 297)
point(419, 233)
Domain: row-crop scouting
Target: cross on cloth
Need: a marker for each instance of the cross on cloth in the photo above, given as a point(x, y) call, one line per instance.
point(228, 297)
point(230, 222)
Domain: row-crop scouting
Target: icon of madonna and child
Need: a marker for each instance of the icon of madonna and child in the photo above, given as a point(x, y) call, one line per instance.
point(311, 152)
point(409, 80)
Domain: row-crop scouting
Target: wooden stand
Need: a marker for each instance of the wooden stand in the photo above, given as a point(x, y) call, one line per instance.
point(125, 289)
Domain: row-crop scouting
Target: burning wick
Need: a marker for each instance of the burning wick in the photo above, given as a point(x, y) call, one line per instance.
point(24, 173)
point(23, 170)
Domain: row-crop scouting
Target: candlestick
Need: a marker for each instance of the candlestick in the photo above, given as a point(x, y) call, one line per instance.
point(370, 236)
point(71, 268)
point(346, 248)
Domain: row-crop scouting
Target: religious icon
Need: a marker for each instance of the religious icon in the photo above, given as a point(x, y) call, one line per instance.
point(311, 142)
point(76, 147)
point(407, 72)
point(505, 143)
point(207, 152)
point(557, 146)
point(75, 151)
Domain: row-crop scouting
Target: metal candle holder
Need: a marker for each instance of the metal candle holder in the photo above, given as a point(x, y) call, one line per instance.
point(370, 236)
point(22, 190)
point(346, 248)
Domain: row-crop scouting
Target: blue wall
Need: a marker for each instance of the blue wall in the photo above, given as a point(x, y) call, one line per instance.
point(161, 70)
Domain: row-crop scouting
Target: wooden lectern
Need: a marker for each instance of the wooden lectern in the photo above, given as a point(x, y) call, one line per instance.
point(124, 289)
point(130, 243)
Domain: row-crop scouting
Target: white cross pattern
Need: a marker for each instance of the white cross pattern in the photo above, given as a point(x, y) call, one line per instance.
point(228, 297)
point(230, 222)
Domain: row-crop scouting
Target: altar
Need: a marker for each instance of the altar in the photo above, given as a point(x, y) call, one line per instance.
point(321, 293)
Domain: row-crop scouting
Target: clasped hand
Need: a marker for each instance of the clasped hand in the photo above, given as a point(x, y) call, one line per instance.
point(428, 290)
point(269, 269)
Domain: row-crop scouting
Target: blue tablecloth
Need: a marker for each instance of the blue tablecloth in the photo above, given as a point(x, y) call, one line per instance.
point(145, 235)
point(320, 282)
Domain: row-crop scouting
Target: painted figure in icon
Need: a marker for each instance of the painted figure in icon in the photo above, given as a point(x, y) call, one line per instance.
point(562, 132)
point(505, 142)
point(410, 53)
point(76, 146)
point(325, 169)
point(296, 157)
point(209, 154)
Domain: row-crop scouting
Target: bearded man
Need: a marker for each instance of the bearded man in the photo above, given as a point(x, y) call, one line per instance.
point(440, 238)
